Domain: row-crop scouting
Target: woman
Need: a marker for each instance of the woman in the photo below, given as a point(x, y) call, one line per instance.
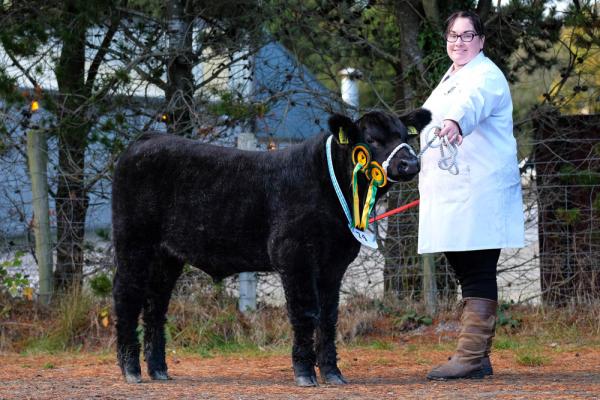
point(474, 211)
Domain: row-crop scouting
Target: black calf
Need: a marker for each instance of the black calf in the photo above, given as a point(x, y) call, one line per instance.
point(226, 211)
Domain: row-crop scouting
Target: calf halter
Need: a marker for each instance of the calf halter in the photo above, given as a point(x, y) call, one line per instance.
point(386, 163)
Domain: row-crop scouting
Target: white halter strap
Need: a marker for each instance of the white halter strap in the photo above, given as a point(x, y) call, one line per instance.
point(386, 163)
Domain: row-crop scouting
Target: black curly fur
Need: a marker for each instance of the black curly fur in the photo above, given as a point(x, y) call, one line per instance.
point(226, 211)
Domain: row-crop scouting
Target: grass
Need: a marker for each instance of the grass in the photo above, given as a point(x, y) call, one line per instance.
point(532, 359)
point(249, 350)
point(384, 362)
point(44, 344)
point(381, 345)
point(411, 348)
point(69, 325)
point(505, 343)
point(208, 323)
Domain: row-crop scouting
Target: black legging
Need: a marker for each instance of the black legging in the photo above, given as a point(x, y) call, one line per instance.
point(476, 272)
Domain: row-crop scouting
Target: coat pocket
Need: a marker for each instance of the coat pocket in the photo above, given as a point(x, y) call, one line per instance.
point(448, 188)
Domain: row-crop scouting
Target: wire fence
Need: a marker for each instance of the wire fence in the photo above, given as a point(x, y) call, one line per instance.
point(559, 265)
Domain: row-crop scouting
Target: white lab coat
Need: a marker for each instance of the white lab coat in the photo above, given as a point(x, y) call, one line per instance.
point(482, 206)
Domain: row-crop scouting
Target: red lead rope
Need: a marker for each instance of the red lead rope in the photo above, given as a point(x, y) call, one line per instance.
point(395, 211)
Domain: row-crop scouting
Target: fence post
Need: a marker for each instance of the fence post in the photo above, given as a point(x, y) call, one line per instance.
point(429, 283)
point(37, 155)
point(247, 280)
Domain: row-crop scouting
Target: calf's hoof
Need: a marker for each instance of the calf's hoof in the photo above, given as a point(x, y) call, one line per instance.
point(132, 373)
point(160, 376)
point(334, 378)
point(133, 378)
point(304, 373)
point(307, 381)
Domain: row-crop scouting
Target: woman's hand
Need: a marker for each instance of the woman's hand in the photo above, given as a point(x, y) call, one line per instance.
point(452, 131)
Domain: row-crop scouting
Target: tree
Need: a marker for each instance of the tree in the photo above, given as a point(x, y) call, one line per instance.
point(566, 155)
point(577, 86)
point(96, 64)
point(33, 34)
point(399, 48)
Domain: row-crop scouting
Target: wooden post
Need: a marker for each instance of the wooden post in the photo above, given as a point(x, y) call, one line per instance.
point(247, 280)
point(37, 154)
point(429, 283)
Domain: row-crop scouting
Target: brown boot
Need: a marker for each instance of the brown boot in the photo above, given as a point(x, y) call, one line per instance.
point(486, 363)
point(478, 322)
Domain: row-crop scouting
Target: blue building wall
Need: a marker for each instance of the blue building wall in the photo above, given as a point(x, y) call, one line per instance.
point(304, 105)
point(301, 108)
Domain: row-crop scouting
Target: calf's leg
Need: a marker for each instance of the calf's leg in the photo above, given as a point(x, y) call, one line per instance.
point(329, 294)
point(162, 280)
point(303, 312)
point(128, 293)
point(293, 255)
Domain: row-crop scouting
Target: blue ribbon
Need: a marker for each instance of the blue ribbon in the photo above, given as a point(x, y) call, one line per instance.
point(334, 181)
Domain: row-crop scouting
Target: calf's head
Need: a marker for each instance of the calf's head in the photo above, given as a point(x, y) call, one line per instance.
point(387, 137)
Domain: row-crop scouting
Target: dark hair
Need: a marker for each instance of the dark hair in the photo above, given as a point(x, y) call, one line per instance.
point(475, 20)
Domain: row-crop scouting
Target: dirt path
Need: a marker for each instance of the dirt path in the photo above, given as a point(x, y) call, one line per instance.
point(374, 374)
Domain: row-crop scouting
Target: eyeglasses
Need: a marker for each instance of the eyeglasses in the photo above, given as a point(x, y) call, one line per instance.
point(465, 37)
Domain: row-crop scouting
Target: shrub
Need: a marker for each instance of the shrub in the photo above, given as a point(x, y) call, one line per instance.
point(101, 285)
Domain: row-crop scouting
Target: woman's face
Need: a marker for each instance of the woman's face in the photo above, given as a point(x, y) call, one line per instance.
point(461, 52)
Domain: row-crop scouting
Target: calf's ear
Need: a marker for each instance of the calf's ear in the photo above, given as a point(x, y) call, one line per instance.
point(418, 119)
point(343, 129)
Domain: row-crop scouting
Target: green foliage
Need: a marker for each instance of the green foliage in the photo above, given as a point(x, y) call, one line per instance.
point(526, 27)
point(505, 317)
point(101, 285)
point(103, 234)
point(376, 37)
point(568, 215)
point(571, 175)
point(435, 56)
point(15, 283)
point(411, 320)
point(25, 36)
point(155, 8)
point(235, 108)
point(122, 75)
point(8, 88)
point(576, 86)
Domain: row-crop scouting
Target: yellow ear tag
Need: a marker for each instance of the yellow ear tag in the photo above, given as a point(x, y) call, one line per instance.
point(412, 131)
point(342, 136)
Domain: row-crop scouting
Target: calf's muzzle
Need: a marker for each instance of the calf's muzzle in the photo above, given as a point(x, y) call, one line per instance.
point(402, 164)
